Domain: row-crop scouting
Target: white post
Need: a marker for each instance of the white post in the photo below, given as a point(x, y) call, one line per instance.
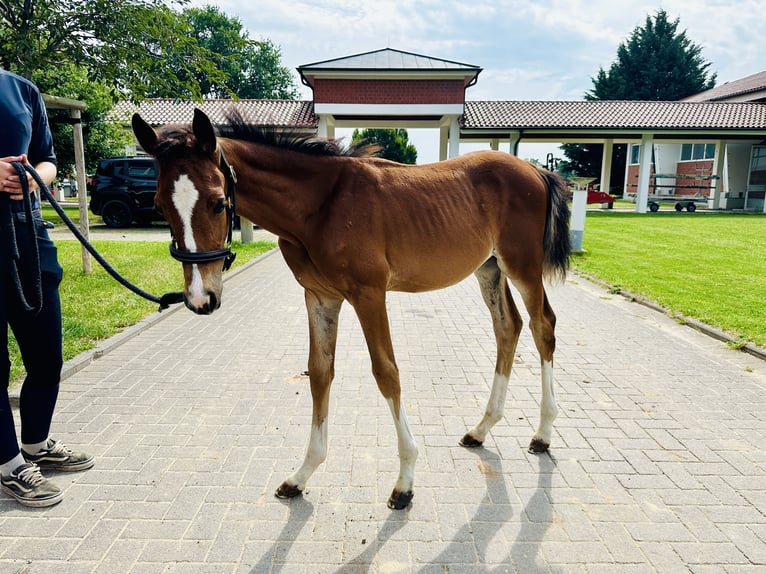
point(644, 172)
point(579, 208)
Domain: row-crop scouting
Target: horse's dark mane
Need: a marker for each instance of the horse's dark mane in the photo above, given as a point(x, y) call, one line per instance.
point(239, 129)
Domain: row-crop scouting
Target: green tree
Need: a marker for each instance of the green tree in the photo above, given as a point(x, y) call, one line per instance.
point(253, 69)
point(117, 41)
point(658, 63)
point(102, 137)
point(395, 143)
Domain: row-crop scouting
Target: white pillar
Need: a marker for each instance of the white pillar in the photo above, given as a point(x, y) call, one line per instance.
point(644, 172)
point(454, 137)
point(606, 166)
point(443, 142)
point(714, 200)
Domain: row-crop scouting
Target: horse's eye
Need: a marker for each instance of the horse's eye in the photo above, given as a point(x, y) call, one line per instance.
point(219, 207)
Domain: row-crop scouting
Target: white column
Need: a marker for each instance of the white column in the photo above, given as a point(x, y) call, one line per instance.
point(606, 166)
point(714, 200)
point(454, 137)
point(644, 171)
point(443, 142)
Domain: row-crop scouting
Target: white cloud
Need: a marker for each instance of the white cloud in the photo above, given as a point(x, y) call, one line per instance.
point(549, 49)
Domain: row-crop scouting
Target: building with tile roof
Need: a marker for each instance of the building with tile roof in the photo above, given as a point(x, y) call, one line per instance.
point(723, 130)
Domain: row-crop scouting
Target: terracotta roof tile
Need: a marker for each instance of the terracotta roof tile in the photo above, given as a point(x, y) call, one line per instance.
point(613, 115)
point(557, 115)
point(748, 85)
point(278, 113)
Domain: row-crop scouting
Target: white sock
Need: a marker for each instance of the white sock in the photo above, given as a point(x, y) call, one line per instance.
point(35, 447)
point(7, 468)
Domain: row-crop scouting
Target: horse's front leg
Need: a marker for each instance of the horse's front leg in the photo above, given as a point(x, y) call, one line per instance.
point(323, 333)
point(370, 307)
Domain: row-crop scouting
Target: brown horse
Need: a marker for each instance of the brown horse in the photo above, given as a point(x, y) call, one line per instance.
point(352, 228)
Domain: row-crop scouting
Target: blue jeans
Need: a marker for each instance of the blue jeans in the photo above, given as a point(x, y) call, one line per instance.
point(39, 338)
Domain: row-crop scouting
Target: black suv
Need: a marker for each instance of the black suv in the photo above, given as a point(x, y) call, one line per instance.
point(122, 191)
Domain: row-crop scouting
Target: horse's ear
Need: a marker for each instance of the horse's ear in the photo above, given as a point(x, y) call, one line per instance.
point(203, 131)
point(145, 134)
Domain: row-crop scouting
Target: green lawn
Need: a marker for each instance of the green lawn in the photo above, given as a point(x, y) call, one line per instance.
point(707, 266)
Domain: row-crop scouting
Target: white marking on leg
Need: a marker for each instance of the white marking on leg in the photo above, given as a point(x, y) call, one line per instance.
point(185, 197)
point(316, 454)
point(495, 406)
point(548, 408)
point(408, 449)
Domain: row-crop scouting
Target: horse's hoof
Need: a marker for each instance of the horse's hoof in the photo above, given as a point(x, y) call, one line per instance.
point(538, 446)
point(469, 442)
point(400, 500)
point(286, 490)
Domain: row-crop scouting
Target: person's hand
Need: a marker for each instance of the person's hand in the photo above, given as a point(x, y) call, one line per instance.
point(9, 180)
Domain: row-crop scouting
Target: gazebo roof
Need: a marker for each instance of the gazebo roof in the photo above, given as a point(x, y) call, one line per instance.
point(387, 59)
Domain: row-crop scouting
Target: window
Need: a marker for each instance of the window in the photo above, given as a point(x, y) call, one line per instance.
point(635, 154)
point(758, 166)
point(697, 152)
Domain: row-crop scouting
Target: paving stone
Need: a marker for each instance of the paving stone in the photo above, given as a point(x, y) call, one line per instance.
point(655, 466)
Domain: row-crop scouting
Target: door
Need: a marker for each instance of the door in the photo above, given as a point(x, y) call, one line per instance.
point(756, 184)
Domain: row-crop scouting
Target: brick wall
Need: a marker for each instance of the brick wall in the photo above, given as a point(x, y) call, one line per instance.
point(338, 91)
point(684, 186)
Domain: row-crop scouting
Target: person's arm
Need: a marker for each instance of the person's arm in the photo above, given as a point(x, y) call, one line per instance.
point(9, 179)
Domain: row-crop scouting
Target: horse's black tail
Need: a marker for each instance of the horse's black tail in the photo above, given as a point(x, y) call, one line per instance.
point(557, 246)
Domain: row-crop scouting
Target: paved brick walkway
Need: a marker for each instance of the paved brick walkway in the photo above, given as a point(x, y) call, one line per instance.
point(657, 464)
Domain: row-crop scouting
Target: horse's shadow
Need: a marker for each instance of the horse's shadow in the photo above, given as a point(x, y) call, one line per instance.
point(496, 508)
point(301, 511)
point(364, 561)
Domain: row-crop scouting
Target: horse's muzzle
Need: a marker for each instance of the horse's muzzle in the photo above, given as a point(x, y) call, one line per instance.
point(206, 308)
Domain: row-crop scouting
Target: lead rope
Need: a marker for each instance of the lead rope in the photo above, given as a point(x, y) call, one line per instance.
point(164, 301)
point(36, 296)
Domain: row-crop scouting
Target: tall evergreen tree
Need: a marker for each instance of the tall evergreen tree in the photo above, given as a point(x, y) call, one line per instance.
point(656, 63)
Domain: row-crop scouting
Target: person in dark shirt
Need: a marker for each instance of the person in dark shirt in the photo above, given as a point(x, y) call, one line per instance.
point(25, 137)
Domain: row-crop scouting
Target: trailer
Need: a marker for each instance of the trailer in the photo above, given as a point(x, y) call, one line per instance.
point(687, 202)
point(698, 182)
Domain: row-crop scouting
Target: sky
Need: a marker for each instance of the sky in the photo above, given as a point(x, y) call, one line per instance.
point(529, 50)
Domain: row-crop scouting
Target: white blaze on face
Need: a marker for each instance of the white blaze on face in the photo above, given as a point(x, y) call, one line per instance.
point(185, 197)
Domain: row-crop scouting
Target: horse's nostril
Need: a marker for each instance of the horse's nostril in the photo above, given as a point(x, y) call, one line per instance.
point(214, 303)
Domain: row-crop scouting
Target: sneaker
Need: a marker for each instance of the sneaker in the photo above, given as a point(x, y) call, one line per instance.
point(58, 456)
point(27, 485)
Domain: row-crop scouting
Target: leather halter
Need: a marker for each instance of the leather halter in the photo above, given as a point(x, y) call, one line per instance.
point(225, 253)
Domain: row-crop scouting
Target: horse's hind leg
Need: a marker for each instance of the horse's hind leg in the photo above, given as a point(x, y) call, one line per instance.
point(323, 334)
point(542, 322)
point(507, 324)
